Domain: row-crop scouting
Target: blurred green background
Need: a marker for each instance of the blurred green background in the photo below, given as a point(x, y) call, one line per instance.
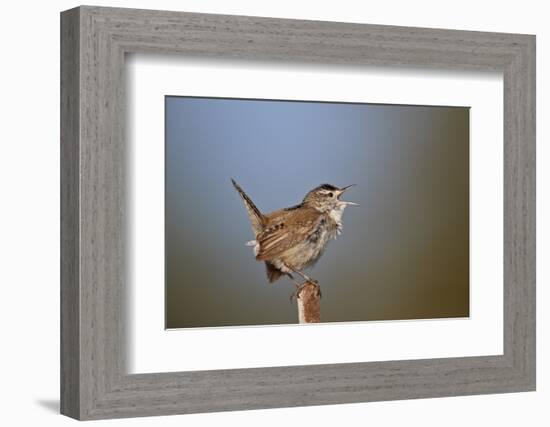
point(404, 254)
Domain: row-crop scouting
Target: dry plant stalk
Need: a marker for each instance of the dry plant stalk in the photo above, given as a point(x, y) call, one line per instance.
point(309, 303)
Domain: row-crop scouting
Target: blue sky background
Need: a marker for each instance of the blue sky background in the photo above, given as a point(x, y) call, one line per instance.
point(402, 255)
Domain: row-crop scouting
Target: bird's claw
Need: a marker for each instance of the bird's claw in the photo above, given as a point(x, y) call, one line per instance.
point(292, 296)
point(300, 287)
point(296, 293)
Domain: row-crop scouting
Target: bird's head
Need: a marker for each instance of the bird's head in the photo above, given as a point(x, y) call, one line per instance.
point(326, 197)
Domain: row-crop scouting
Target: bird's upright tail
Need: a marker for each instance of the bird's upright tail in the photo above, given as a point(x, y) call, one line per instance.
point(256, 218)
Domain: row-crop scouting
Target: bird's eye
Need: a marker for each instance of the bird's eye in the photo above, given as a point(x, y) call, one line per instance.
point(330, 194)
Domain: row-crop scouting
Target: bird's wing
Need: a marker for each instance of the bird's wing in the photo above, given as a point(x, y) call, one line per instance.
point(285, 233)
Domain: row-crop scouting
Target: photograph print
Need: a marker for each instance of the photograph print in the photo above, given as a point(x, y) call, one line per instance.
point(361, 209)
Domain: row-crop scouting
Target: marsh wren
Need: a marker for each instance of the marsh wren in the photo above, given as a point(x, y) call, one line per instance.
point(291, 239)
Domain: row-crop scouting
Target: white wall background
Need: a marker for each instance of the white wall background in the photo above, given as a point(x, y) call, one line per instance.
point(29, 213)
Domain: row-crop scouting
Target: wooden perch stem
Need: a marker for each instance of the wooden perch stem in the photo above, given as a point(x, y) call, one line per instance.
point(309, 303)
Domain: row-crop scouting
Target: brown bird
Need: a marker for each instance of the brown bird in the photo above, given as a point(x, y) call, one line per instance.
point(291, 239)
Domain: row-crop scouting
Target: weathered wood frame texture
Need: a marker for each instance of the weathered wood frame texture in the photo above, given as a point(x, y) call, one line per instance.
point(94, 41)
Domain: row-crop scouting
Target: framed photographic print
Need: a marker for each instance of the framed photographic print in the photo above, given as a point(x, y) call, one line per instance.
point(262, 213)
point(297, 145)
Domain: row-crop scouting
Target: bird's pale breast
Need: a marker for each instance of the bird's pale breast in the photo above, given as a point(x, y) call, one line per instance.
point(309, 250)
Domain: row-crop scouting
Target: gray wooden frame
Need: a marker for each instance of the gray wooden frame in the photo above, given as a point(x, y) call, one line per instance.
point(94, 382)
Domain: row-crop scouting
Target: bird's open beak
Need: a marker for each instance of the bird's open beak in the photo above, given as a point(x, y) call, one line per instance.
point(345, 202)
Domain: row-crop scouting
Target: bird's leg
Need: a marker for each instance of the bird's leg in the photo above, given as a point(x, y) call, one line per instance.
point(302, 274)
point(300, 286)
point(296, 283)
